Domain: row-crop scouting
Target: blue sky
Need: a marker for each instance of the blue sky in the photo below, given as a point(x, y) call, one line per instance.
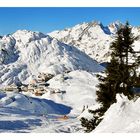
point(49, 19)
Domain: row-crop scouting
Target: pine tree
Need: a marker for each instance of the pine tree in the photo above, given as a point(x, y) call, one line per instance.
point(117, 78)
point(106, 93)
point(122, 48)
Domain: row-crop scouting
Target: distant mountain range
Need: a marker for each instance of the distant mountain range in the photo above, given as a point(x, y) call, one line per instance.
point(93, 38)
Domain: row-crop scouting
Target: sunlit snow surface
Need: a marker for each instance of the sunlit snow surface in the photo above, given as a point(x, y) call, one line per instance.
point(20, 113)
point(122, 116)
point(23, 112)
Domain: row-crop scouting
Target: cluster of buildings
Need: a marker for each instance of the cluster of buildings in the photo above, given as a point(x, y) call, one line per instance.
point(37, 86)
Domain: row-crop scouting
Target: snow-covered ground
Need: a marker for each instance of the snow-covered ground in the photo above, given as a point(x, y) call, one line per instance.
point(20, 113)
point(24, 112)
point(122, 116)
point(80, 90)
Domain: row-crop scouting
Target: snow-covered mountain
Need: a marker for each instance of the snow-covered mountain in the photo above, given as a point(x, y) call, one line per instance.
point(93, 38)
point(25, 53)
point(72, 57)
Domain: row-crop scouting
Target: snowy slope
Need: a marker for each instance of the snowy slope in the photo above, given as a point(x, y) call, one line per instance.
point(80, 90)
point(31, 105)
point(122, 116)
point(28, 113)
point(25, 53)
point(21, 113)
point(93, 38)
